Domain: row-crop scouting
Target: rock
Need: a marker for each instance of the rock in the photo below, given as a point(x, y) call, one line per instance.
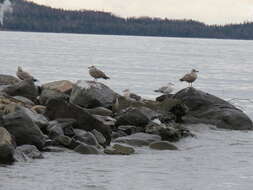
point(89, 94)
point(40, 120)
point(119, 149)
point(106, 120)
point(133, 116)
point(130, 129)
point(58, 109)
point(25, 100)
point(25, 88)
point(39, 109)
point(8, 80)
point(99, 136)
point(86, 137)
point(138, 139)
point(163, 97)
point(49, 94)
point(86, 149)
point(117, 134)
point(64, 140)
point(6, 147)
point(54, 149)
point(23, 129)
point(30, 151)
point(6, 154)
point(100, 111)
point(54, 130)
point(162, 145)
point(209, 109)
point(63, 86)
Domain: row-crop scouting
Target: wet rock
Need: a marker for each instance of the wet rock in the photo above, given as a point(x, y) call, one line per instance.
point(162, 145)
point(8, 80)
point(99, 136)
point(54, 149)
point(58, 109)
point(117, 134)
point(23, 129)
point(25, 88)
point(86, 149)
point(63, 86)
point(138, 139)
point(133, 116)
point(30, 151)
point(89, 94)
point(64, 140)
point(86, 137)
point(209, 109)
point(118, 149)
point(6, 147)
point(54, 130)
point(130, 129)
point(49, 94)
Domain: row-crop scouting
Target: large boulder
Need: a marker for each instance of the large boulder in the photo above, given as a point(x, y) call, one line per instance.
point(8, 80)
point(6, 147)
point(138, 139)
point(89, 94)
point(23, 129)
point(209, 109)
point(119, 149)
point(86, 137)
point(25, 88)
point(64, 86)
point(58, 109)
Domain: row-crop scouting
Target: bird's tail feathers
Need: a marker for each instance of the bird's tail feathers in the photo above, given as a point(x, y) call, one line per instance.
point(106, 77)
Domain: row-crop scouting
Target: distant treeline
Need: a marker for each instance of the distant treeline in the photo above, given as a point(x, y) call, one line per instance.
point(28, 16)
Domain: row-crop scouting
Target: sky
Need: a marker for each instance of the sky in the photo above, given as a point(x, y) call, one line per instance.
point(208, 11)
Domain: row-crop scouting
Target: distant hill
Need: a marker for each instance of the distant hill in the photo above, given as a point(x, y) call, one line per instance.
point(28, 16)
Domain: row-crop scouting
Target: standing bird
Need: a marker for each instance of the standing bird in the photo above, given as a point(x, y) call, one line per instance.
point(190, 77)
point(129, 95)
point(23, 75)
point(96, 73)
point(166, 89)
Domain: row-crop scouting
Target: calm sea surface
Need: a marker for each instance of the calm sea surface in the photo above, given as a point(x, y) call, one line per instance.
point(216, 159)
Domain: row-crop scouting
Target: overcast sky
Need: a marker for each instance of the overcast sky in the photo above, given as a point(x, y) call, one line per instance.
point(209, 11)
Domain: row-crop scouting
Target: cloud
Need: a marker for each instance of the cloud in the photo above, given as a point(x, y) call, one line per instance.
point(209, 11)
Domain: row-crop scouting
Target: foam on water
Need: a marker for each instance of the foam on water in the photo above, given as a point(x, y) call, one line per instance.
point(216, 159)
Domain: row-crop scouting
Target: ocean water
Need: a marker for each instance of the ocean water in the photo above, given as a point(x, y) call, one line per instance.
point(216, 159)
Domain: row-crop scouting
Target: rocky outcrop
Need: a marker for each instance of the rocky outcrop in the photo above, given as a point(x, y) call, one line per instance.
point(89, 94)
point(209, 109)
point(58, 108)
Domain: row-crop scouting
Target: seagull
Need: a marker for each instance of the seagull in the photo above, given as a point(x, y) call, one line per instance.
point(129, 95)
point(23, 75)
point(96, 73)
point(166, 89)
point(190, 77)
